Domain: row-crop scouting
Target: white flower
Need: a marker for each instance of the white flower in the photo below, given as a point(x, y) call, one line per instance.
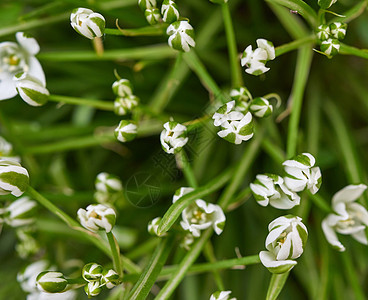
point(181, 36)
point(126, 131)
point(349, 217)
point(338, 30)
point(270, 189)
point(173, 137)
point(14, 179)
point(330, 47)
point(125, 105)
point(169, 11)
point(16, 58)
point(97, 217)
point(87, 23)
point(221, 295)
point(285, 242)
point(30, 89)
point(301, 175)
point(6, 151)
point(51, 282)
point(20, 212)
point(260, 107)
point(268, 47)
point(254, 61)
point(200, 215)
point(226, 113)
point(122, 88)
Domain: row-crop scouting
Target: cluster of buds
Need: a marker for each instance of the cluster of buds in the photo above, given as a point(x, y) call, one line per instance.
point(18, 213)
point(221, 295)
point(14, 179)
point(21, 72)
point(330, 36)
point(284, 243)
point(87, 22)
point(108, 187)
point(6, 150)
point(200, 215)
point(125, 100)
point(174, 137)
point(324, 4)
point(281, 192)
point(236, 126)
point(255, 61)
point(349, 217)
point(97, 217)
point(98, 277)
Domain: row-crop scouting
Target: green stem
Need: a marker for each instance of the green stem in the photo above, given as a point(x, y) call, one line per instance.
point(276, 284)
point(350, 50)
point(351, 273)
point(104, 105)
point(352, 13)
point(115, 253)
point(236, 72)
point(187, 169)
point(280, 50)
point(210, 255)
point(153, 30)
point(320, 203)
point(303, 64)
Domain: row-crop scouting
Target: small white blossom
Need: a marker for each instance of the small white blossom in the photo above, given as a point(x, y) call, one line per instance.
point(169, 11)
point(97, 217)
point(51, 282)
point(285, 242)
point(30, 89)
point(173, 137)
point(349, 217)
point(181, 36)
point(126, 131)
point(268, 47)
point(260, 107)
point(87, 23)
point(14, 179)
point(17, 58)
point(221, 295)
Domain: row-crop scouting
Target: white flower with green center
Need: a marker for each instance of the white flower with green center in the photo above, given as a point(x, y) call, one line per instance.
point(14, 179)
point(97, 217)
point(200, 215)
point(169, 11)
point(181, 36)
point(260, 107)
point(17, 58)
point(31, 90)
point(153, 226)
point(270, 189)
point(241, 96)
point(92, 272)
point(6, 151)
point(326, 3)
point(350, 218)
point(330, 47)
point(285, 242)
point(146, 4)
point(254, 61)
point(51, 282)
point(93, 288)
point(110, 278)
point(152, 15)
point(323, 32)
point(300, 174)
point(221, 295)
point(125, 105)
point(20, 212)
point(338, 30)
point(226, 114)
point(126, 131)
point(87, 23)
point(173, 137)
point(122, 88)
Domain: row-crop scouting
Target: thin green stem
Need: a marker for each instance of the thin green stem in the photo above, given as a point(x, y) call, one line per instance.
point(187, 168)
point(320, 203)
point(350, 50)
point(280, 50)
point(115, 253)
point(236, 72)
point(104, 105)
point(351, 273)
point(276, 285)
point(352, 13)
point(153, 30)
point(210, 255)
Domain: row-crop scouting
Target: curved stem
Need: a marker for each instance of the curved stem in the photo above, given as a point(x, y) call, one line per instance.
point(104, 105)
point(115, 253)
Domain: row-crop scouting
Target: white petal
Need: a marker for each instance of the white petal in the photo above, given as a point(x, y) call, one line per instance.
point(274, 266)
point(331, 236)
point(35, 69)
point(29, 44)
point(349, 193)
point(7, 88)
point(361, 237)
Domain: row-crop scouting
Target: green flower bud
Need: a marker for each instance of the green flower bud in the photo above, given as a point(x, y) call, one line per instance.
point(126, 131)
point(153, 226)
point(153, 15)
point(241, 96)
point(330, 47)
point(87, 23)
point(338, 30)
point(110, 278)
point(260, 107)
point(170, 12)
point(323, 32)
point(123, 106)
point(181, 36)
point(92, 272)
point(122, 88)
point(324, 4)
point(93, 288)
point(146, 4)
point(51, 282)
point(14, 179)
point(31, 90)
point(108, 183)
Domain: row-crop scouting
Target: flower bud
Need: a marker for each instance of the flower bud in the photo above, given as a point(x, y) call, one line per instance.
point(124, 105)
point(14, 179)
point(324, 4)
point(260, 107)
point(221, 295)
point(126, 131)
point(122, 88)
point(87, 23)
point(152, 15)
point(51, 282)
point(169, 11)
point(323, 32)
point(241, 96)
point(173, 137)
point(93, 288)
point(153, 226)
point(181, 36)
point(110, 278)
point(97, 217)
point(338, 30)
point(330, 47)
point(92, 272)
point(108, 183)
point(31, 90)
point(20, 212)
point(146, 4)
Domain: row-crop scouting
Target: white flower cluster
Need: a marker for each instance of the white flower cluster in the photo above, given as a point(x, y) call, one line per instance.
point(174, 137)
point(20, 72)
point(349, 217)
point(330, 36)
point(281, 192)
point(284, 243)
point(108, 187)
point(255, 61)
point(97, 217)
